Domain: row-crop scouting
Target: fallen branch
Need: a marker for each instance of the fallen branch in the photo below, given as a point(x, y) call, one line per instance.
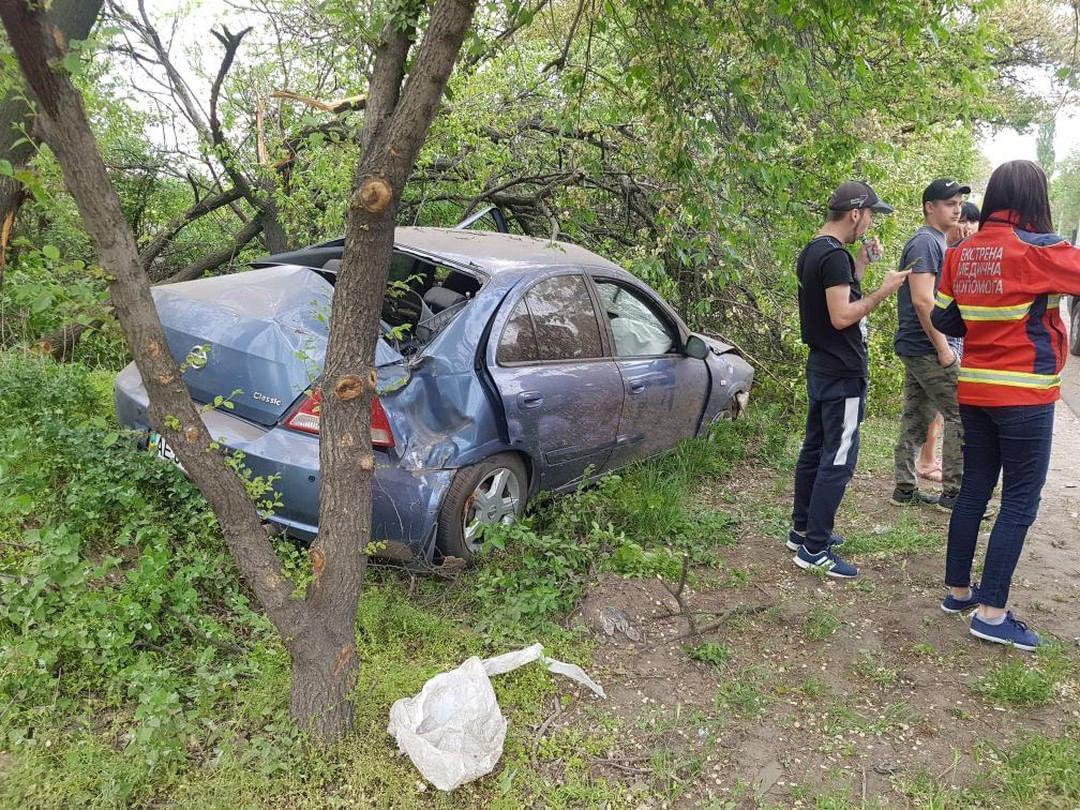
point(677, 595)
point(212, 261)
point(152, 249)
point(726, 616)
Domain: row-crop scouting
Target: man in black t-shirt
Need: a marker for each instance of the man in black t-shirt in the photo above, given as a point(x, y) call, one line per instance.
point(832, 310)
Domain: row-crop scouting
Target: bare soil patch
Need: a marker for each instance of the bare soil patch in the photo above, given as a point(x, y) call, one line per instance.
point(799, 687)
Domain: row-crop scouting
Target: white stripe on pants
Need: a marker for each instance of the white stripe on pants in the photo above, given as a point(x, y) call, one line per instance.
point(851, 423)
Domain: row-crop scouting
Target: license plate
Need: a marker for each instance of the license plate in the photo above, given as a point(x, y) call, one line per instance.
point(161, 449)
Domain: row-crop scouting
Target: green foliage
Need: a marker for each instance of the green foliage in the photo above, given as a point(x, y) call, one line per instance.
point(1065, 197)
point(100, 598)
point(43, 291)
point(1025, 684)
point(1034, 772)
point(711, 652)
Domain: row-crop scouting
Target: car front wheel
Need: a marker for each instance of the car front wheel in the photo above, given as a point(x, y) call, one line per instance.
point(493, 491)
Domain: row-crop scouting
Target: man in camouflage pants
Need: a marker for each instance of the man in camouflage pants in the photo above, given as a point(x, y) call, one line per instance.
point(931, 365)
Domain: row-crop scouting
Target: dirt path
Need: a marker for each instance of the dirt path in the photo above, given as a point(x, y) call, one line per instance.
point(808, 688)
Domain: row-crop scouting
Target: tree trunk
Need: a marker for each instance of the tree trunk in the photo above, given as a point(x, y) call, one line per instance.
point(396, 122)
point(318, 632)
point(74, 19)
point(64, 127)
point(324, 670)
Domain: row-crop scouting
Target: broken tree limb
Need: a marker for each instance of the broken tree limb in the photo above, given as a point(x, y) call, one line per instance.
point(212, 261)
point(60, 343)
point(152, 249)
point(337, 107)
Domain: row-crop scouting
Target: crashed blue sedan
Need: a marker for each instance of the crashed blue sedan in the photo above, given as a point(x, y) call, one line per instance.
point(508, 365)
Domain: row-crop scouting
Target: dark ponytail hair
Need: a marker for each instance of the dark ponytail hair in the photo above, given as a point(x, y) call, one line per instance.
point(1019, 186)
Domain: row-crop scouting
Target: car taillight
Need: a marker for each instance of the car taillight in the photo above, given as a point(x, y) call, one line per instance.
point(306, 420)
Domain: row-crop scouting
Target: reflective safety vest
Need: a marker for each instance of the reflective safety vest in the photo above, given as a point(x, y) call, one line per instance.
point(1000, 291)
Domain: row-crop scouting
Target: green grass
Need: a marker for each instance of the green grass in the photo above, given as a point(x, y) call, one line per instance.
point(877, 438)
point(108, 697)
point(1025, 683)
point(876, 668)
point(743, 693)
point(820, 624)
point(1037, 772)
point(711, 652)
point(908, 533)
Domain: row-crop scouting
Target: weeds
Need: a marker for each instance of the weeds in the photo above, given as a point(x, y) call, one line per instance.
point(711, 652)
point(820, 624)
point(1017, 682)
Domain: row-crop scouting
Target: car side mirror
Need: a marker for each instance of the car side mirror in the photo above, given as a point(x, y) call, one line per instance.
point(696, 347)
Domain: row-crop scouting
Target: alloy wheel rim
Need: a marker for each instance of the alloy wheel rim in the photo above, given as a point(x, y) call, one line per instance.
point(495, 500)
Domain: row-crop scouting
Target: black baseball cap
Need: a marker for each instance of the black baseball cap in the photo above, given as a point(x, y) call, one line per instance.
point(856, 194)
point(943, 189)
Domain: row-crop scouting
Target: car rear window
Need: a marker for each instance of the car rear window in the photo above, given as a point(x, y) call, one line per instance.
point(563, 324)
point(518, 343)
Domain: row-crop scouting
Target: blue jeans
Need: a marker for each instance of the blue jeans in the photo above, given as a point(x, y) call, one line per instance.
point(1016, 441)
point(829, 452)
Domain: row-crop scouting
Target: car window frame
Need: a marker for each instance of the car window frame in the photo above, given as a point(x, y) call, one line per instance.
point(506, 310)
point(660, 309)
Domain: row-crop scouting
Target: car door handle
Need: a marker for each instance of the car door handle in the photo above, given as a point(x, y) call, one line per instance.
point(636, 386)
point(530, 399)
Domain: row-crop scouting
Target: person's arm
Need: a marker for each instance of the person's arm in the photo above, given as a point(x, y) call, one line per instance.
point(946, 316)
point(1053, 266)
point(922, 301)
point(844, 312)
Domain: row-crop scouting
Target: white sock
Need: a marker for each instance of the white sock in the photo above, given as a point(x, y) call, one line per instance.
point(999, 620)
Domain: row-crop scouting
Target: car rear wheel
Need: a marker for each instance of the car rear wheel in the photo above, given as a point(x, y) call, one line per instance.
point(493, 491)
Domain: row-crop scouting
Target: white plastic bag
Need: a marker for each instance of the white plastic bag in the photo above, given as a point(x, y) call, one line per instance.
point(453, 731)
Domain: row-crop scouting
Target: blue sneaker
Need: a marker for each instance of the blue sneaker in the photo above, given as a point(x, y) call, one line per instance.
point(951, 604)
point(1011, 632)
point(795, 540)
point(826, 561)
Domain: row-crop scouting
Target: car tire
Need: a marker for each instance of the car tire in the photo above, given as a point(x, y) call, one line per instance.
point(1074, 326)
point(493, 491)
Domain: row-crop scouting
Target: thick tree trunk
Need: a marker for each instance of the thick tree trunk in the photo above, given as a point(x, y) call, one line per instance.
point(324, 670)
point(395, 126)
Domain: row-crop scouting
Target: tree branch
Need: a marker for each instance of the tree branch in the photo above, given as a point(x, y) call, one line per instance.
point(214, 260)
point(162, 238)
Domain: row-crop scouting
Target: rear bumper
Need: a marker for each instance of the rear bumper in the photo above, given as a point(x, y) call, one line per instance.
point(405, 503)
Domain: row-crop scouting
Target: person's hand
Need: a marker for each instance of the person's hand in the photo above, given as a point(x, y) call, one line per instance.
point(893, 279)
point(870, 251)
point(947, 357)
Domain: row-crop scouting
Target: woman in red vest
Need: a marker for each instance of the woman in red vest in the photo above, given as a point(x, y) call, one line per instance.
point(999, 291)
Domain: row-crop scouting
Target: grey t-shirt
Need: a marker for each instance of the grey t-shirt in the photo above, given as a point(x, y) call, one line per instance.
point(923, 253)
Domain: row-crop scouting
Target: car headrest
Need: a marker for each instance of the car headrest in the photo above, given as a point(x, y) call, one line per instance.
point(440, 298)
point(333, 265)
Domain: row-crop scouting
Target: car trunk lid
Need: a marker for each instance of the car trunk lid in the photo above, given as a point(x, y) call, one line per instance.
point(261, 333)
